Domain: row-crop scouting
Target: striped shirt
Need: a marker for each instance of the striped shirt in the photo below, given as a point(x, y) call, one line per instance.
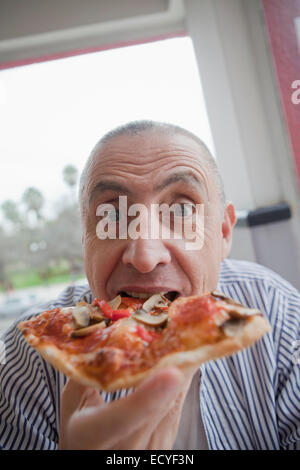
point(250, 400)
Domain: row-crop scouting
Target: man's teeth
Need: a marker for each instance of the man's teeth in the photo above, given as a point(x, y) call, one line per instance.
point(142, 295)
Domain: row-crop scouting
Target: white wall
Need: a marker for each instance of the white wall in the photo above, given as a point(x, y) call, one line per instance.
point(247, 124)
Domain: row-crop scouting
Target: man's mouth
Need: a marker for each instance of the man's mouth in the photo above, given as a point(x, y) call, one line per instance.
point(170, 295)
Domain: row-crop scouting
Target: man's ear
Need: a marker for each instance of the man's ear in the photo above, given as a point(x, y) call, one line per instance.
point(227, 228)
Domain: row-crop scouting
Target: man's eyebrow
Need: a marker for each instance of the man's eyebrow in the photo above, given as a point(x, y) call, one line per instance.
point(108, 185)
point(184, 177)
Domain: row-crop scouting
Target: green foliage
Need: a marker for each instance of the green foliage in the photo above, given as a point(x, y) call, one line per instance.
point(31, 278)
point(40, 250)
point(34, 200)
point(70, 175)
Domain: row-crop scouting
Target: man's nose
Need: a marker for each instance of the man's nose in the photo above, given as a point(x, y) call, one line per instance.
point(146, 254)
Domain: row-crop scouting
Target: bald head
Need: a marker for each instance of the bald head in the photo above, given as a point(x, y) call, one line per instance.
point(136, 128)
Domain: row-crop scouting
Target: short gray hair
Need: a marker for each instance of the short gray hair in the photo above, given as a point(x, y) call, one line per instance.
point(138, 127)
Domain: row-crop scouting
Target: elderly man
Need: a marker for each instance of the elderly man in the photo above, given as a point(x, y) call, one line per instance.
point(247, 401)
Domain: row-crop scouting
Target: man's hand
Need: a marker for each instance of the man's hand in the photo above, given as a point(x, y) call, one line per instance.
point(146, 419)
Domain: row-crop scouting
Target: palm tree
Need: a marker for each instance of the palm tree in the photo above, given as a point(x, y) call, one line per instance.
point(70, 174)
point(34, 200)
point(11, 212)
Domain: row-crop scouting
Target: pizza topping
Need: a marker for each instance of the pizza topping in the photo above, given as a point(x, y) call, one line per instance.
point(219, 295)
point(197, 309)
point(96, 317)
point(104, 307)
point(154, 300)
point(151, 320)
point(115, 303)
point(118, 314)
point(235, 309)
point(241, 312)
point(144, 334)
point(132, 303)
point(88, 330)
point(221, 317)
point(81, 317)
point(233, 326)
point(109, 313)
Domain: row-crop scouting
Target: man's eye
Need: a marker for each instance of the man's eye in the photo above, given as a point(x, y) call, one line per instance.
point(183, 210)
point(108, 212)
point(114, 215)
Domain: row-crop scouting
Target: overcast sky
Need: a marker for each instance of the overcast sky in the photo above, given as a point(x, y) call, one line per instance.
point(52, 113)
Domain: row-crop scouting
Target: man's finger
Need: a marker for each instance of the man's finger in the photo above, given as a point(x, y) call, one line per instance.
point(111, 423)
point(162, 429)
point(75, 396)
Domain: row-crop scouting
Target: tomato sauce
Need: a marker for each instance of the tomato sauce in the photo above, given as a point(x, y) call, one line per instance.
point(133, 303)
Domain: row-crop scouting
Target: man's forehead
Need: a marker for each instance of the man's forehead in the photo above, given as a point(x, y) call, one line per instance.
point(178, 156)
point(124, 162)
point(149, 139)
point(182, 177)
point(147, 148)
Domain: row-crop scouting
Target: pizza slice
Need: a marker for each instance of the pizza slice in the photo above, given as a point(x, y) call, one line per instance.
point(116, 344)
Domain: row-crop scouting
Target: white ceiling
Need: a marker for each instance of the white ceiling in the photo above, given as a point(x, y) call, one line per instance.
point(29, 17)
point(33, 28)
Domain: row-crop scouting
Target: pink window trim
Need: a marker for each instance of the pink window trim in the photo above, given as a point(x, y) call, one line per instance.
point(279, 18)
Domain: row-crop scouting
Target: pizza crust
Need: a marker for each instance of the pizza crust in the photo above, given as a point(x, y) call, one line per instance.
point(63, 362)
point(248, 334)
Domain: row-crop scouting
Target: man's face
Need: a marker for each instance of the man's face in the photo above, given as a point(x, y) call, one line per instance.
point(143, 168)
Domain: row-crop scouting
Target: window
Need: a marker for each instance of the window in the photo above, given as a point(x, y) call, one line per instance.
point(51, 115)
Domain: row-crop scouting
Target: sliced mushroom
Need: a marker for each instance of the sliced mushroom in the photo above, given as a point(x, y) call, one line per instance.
point(233, 326)
point(164, 302)
point(88, 330)
point(155, 300)
point(98, 317)
point(222, 317)
point(67, 310)
point(240, 312)
point(235, 309)
point(115, 303)
point(221, 296)
point(81, 317)
point(150, 320)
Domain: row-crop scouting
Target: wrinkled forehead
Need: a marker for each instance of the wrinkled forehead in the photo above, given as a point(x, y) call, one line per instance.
point(148, 154)
point(146, 151)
